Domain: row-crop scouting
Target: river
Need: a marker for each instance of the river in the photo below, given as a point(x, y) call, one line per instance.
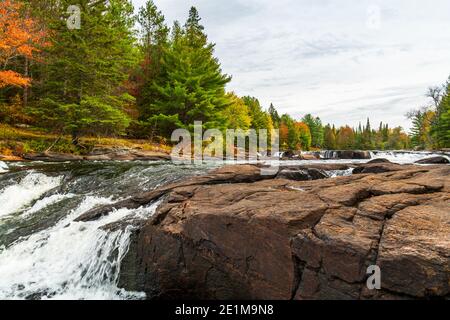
point(45, 254)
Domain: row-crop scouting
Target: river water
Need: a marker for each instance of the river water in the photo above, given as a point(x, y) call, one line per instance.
point(44, 254)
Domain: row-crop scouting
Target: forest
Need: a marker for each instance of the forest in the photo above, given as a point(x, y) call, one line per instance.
point(125, 74)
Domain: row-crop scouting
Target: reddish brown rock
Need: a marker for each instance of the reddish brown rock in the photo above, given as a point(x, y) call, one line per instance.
point(234, 234)
point(414, 253)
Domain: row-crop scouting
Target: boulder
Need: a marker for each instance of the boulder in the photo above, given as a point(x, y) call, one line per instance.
point(347, 154)
point(434, 160)
point(302, 174)
point(377, 167)
point(287, 155)
point(234, 234)
point(379, 160)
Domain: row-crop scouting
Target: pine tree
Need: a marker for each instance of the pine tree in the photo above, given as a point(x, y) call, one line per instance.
point(441, 127)
point(192, 85)
point(316, 128)
point(367, 141)
point(421, 129)
point(154, 40)
point(194, 31)
point(85, 69)
point(274, 115)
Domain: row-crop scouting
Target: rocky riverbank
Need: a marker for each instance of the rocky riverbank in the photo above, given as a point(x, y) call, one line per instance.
point(98, 154)
point(236, 234)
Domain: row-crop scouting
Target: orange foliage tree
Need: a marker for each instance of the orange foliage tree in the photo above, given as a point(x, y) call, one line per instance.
point(19, 37)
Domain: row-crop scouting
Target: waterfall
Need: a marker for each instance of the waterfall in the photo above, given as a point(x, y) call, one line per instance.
point(44, 253)
point(330, 154)
point(71, 260)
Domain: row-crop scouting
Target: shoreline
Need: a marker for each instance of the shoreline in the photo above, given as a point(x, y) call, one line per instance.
point(118, 153)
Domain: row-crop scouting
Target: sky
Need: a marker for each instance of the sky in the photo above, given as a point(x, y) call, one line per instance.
point(341, 60)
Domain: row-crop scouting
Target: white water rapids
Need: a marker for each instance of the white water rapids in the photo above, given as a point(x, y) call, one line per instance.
point(3, 167)
point(70, 260)
point(31, 187)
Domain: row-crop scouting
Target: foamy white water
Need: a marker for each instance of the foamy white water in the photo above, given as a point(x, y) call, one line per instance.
point(405, 157)
point(47, 201)
point(71, 260)
point(3, 167)
point(31, 187)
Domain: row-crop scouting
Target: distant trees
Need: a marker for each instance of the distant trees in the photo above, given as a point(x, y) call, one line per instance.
point(294, 135)
point(274, 115)
point(440, 128)
point(431, 124)
point(237, 114)
point(365, 138)
point(421, 128)
point(316, 129)
point(329, 138)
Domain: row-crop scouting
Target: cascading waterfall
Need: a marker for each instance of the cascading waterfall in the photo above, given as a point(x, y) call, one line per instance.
point(71, 260)
point(44, 253)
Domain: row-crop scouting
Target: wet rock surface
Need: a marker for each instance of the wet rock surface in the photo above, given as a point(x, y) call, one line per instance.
point(434, 160)
point(347, 154)
point(236, 234)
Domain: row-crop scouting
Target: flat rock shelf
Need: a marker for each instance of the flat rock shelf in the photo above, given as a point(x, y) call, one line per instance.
point(237, 234)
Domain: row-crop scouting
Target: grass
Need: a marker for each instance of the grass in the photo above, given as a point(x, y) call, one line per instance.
point(17, 141)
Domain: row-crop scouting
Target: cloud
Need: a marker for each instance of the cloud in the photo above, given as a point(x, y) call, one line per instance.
point(325, 57)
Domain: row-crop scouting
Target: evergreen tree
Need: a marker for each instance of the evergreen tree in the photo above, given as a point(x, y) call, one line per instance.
point(154, 39)
point(421, 129)
point(274, 115)
point(192, 86)
point(85, 68)
point(359, 137)
point(367, 140)
point(194, 31)
point(316, 129)
point(441, 127)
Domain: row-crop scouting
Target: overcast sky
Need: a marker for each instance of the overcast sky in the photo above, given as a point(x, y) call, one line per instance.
point(341, 60)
